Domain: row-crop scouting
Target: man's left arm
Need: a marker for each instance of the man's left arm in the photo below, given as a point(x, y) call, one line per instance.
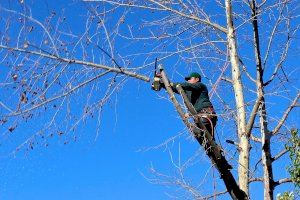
point(190, 86)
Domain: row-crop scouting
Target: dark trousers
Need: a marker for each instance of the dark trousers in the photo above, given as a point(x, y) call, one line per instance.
point(209, 124)
point(209, 119)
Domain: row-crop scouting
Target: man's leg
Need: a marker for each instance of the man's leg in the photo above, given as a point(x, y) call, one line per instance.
point(209, 125)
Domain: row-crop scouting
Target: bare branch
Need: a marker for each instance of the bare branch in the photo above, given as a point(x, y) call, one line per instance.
point(13, 114)
point(253, 115)
point(283, 58)
point(227, 79)
point(272, 36)
point(246, 72)
point(36, 21)
point(216, 26)
point(164, 179)
point(74, 61)
point(234, 143)
point(256, 139)
point(165, 8)
point(126, 4)
point(286, 114)
point(214, 195)
point(282, 181)
point(257, 179)
point(280, 154)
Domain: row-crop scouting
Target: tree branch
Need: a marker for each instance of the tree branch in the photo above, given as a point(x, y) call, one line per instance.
point(165, 8)
point(80, 62)
point(254, 138)
point(174, 100)
point(257, 179)
point(13, 114)
point(283, 152)
point(253, 115)
point(227, 79)
point(214, 195)
point(281, 181)
point(36, 21)
point(286, 114)
point(207, 22)
point(283, 57)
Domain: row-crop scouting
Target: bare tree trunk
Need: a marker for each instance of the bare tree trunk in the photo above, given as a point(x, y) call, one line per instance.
point(239, 98)
point(266, 135)
point(266, 153)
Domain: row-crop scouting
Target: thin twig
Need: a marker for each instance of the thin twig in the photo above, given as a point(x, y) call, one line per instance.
point(286, 114)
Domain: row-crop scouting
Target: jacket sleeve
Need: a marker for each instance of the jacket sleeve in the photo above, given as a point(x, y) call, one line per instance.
point(185, 86)
point(173, 86)
point(189, 87)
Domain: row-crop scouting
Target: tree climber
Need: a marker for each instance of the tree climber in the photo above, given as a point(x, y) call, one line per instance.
point(197, 94)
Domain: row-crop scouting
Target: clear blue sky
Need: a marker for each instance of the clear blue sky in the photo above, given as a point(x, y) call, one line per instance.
point(116, 163)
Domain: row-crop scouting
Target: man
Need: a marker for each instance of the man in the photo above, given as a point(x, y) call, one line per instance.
point(197, 94)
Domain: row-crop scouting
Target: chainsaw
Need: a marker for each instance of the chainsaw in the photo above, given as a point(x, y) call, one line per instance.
point(156, 84)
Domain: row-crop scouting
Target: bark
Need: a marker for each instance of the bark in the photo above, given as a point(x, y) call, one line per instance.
point(240, 105)
point(265, 133)
point(205, 139)
point(266, 153)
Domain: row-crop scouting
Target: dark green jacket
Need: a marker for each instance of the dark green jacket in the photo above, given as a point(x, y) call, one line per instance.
point(197, 93)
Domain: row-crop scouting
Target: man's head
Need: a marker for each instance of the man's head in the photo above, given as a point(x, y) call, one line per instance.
point(194, 77)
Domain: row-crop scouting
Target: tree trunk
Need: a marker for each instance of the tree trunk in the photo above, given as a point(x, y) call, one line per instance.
point(266, 153)
point(239, 98)
point(265, 134)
